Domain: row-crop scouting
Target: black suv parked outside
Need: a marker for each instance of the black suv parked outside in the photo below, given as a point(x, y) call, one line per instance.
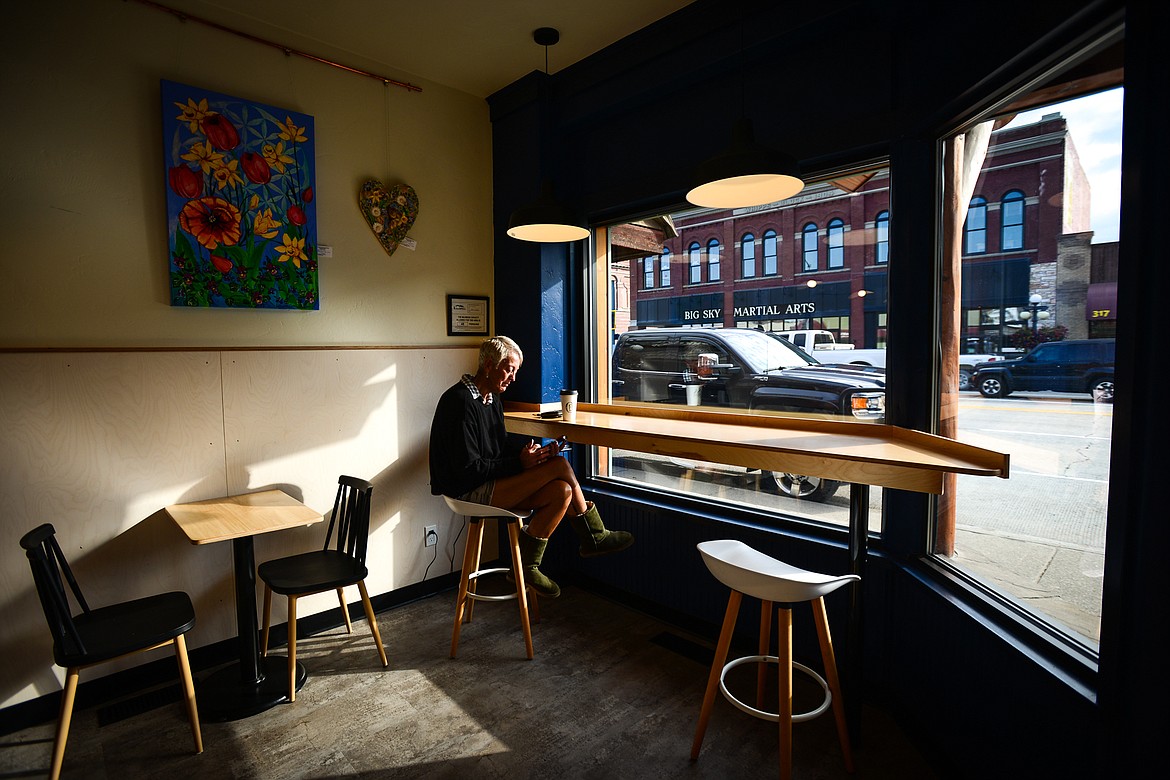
point(741, 368)
point(1072, 366)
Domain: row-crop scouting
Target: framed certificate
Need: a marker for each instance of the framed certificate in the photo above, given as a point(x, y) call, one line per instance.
point(467, 315)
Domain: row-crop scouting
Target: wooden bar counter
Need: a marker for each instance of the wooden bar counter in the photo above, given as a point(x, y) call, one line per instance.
point(844, 450)
point(860, 453)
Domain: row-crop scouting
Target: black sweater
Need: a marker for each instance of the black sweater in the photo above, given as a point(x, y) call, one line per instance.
point(469, 444)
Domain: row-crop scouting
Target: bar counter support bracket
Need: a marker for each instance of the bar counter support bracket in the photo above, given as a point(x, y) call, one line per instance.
point(854, 658)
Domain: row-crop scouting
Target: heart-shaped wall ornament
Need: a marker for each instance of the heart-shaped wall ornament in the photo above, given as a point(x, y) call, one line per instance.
point(390, 213)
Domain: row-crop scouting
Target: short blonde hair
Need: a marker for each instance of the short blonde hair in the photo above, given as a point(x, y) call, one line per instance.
point(493, 351)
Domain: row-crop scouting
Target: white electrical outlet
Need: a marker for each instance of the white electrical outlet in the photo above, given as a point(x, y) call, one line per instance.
point(430, 535)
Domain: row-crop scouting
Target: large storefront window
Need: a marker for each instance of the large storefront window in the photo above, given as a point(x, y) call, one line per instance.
point(721, 346)
point(1038, 279)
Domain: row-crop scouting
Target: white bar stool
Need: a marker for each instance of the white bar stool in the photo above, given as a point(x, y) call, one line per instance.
point(748, 571)
point(476, 515)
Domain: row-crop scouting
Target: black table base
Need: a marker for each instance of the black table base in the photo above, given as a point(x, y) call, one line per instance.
point(253, 683)
point(224, 695)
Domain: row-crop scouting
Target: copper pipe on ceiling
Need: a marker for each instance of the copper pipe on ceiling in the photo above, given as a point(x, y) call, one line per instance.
point(183, 17)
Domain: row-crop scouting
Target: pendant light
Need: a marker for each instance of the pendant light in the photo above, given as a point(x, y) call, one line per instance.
point(746, 174)
point(545, 220)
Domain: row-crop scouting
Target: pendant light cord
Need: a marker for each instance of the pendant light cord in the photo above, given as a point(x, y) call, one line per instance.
point(742, 65)
point(546, 37)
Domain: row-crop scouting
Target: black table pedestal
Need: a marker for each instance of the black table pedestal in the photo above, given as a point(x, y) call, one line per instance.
point(223, 696)
point(252, 684)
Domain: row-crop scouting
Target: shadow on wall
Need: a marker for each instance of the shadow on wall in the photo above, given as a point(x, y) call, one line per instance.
point(100, 442)
point(142, 561)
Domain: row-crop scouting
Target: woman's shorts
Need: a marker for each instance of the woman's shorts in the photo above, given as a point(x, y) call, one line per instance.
point(481, 494)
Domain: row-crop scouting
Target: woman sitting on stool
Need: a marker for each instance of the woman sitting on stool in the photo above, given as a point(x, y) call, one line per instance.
point(473, 459)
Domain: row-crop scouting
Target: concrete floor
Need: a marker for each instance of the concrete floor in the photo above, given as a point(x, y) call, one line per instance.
point(611, 693)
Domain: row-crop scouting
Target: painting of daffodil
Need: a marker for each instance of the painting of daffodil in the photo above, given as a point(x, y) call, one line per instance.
point(241, 216)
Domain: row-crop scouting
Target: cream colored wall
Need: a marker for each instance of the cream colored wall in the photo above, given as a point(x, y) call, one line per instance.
point(83, 241)
point(97, 442)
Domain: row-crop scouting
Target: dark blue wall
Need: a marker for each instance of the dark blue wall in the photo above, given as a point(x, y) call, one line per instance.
point(840, 84)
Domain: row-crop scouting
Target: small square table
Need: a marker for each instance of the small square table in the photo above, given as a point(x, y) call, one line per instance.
point(252, 684)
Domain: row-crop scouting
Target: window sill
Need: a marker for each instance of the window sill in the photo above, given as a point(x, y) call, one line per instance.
point(1059, 652)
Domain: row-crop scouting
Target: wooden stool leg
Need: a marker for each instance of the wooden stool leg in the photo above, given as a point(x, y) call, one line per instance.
point(469, 554)
point(829, 659)
point(67, 695)
point(533, 603)
point(472, 584)
point(784, 629)
point(765, 641)
point(521, 587)
point(716, 670)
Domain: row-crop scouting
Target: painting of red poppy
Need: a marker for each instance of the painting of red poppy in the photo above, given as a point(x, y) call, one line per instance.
point(241, 218)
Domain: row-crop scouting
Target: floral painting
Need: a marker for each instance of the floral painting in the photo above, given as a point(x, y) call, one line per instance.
point(241, 215)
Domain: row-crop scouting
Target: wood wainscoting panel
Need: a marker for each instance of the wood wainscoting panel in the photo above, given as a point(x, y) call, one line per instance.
point(298, 419)
point(96, 443)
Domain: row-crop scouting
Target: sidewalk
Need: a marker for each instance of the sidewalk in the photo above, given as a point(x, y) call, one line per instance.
point(1063, 581)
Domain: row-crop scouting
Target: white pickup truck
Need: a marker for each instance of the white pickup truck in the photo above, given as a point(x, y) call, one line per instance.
point(823, 345)
point(817, 342)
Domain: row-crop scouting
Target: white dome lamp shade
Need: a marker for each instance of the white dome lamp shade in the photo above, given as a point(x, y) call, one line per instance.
point(745, 175)
point(546, 220)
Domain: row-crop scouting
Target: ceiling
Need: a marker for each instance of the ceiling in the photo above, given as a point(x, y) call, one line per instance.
point(474, 46)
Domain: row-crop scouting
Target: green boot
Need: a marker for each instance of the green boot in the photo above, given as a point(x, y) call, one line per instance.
point(531, 554)
point(595, 539)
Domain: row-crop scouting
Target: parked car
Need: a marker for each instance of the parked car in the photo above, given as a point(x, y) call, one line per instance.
point(823, 344)
point(1070, 366)
point(746, 369)
point(967, 365)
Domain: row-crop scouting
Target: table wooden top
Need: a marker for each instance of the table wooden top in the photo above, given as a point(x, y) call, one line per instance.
point(220, 519)
point(843, 450)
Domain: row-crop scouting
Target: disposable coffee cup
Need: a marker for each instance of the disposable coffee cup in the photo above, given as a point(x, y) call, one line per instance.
point(569, 405)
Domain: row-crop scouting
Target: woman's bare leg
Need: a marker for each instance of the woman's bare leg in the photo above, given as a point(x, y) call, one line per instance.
point(550, 490)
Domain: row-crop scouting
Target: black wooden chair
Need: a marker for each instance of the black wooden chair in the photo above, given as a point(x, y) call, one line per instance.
point(95, 636)
point(325, 569)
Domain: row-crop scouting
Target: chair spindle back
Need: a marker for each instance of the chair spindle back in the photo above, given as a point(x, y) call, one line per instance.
point(351, 517)
point(49, 568)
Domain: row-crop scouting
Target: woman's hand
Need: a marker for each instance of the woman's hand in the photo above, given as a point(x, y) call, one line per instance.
point(532, 455)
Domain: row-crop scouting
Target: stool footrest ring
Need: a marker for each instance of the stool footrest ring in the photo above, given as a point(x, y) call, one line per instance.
point(484, 597)
point(774, 716)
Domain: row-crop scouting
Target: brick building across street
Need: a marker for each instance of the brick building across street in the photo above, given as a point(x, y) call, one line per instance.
point(820, 259)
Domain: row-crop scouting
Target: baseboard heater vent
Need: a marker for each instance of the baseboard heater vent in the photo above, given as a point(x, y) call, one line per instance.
point(684, 647)
point(136, 705)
